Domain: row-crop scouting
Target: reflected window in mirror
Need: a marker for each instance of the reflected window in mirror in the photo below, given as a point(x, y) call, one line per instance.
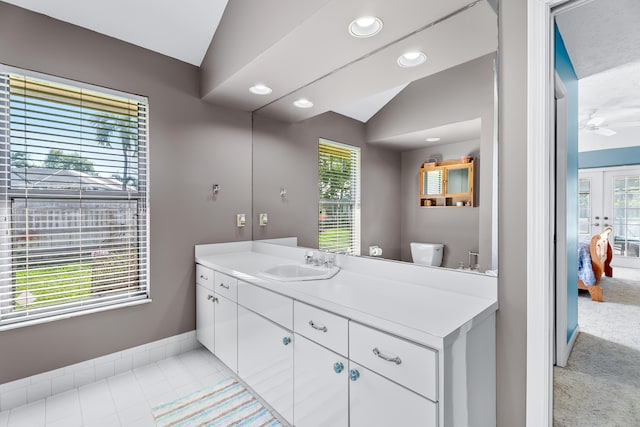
point(339, 207)
point(433, 182)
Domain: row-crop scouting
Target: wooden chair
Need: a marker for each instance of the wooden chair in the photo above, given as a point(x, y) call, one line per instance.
point(601, 255)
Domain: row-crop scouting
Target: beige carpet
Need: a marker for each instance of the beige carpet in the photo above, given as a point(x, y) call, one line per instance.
point(600, 386)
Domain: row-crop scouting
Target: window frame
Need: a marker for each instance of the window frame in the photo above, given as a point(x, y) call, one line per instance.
point(11, 194)
point(355, 202)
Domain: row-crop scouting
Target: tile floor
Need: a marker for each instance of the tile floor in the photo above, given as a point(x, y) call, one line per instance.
point(122, 400)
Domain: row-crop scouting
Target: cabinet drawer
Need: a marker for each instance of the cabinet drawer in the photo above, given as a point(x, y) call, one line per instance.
point(204, 276)
point(325, 328)
point(275, 307)
point(226, 286)
point(409, 364)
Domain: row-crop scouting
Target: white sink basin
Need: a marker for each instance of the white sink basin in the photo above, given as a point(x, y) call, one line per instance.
point(297, 272)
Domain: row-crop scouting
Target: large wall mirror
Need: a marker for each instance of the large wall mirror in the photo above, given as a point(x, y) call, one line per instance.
point(399, 118)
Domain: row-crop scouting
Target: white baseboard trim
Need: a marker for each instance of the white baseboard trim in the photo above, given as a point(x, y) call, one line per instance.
point(36, 387)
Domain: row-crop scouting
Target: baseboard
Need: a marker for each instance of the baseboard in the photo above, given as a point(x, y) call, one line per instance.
point(570, 343)
point(36, 387)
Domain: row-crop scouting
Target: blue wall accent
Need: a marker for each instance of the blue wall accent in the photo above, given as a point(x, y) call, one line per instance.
point(567, 74)
point(612, 157)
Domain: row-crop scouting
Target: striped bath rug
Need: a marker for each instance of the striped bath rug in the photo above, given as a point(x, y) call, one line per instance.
point(226, 403)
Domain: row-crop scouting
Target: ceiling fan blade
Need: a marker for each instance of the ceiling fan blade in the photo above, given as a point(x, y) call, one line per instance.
point(595, 121)
point(630, 124)
point(605, 131)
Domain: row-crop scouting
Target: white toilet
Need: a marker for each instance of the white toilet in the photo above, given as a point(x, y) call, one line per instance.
point(427, 253)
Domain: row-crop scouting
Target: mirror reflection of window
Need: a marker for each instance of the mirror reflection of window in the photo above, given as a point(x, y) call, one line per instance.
point(433, 182)
point(339, 207)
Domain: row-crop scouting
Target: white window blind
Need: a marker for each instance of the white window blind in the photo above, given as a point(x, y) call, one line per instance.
point(339, 210)
point(73, 173)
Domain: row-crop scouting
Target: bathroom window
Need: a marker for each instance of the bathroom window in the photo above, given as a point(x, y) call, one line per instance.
point(73, 178)
point(339, 207)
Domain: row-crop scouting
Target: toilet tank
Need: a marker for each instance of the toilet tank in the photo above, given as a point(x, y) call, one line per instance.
point(427, 253)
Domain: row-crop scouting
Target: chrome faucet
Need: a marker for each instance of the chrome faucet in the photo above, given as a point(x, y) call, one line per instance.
point(308, 257)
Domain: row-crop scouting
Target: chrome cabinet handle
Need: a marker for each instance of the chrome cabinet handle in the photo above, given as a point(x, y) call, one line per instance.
point(338, 367)
point(202, 276)
point(286, 340)
point(382, 356)
point(209, 297)
point(354, 375)
point(222, 285)
point(316, 327)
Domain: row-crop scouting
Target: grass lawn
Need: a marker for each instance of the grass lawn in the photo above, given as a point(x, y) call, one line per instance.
point(339, 239)
point(45, 284)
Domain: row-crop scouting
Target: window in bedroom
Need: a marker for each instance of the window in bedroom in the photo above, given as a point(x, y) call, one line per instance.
point(73, 178)
point(339, 207)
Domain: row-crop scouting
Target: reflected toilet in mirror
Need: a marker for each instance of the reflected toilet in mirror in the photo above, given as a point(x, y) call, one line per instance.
point(427, 253)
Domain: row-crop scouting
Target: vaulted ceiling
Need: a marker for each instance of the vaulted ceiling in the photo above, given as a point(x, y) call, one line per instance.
point(300, 48)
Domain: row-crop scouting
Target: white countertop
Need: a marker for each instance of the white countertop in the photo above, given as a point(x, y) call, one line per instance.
point(425, 314)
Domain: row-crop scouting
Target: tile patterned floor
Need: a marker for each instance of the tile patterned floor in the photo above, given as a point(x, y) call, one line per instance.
point(123, 400)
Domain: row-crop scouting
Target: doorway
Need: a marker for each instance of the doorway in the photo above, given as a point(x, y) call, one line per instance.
point(540, 239)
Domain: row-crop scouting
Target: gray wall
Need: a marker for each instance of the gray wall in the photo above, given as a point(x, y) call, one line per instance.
point(286, 155)
point(456, 228)
point(192, 145)
point(511, 326)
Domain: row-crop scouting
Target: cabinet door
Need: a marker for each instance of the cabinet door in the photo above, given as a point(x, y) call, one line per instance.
point(431, 181)
point(459, 179)
point(265, 360)
point(226, 335)
point(376, 401)
point(321, 389)
point(205, 308)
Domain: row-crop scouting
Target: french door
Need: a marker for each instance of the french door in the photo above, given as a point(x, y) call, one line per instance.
point(610, 197)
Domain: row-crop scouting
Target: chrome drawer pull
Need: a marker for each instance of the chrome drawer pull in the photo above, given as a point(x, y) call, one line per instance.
point(223, 286)
point(202, 276)
point(378, 353)
point(319, 328)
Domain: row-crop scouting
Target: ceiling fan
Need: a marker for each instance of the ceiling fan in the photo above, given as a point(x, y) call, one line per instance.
point(597, 125)
point(602, 123)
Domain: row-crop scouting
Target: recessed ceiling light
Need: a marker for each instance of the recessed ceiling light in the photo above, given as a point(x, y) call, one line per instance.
point(303, 103)
point(365, 26)
point(260, 89)
point(412, 59)
point(433, 139)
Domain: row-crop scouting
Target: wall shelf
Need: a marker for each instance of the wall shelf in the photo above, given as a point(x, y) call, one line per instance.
point(447, 184)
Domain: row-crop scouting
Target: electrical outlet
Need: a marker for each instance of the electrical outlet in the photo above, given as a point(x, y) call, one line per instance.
point(241, 220)
point(263, 219)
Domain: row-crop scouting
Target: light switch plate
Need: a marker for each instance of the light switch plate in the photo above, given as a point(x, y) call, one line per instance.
point(241, 220)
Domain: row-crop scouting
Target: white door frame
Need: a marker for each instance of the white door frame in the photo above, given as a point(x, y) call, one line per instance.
point(558, 215)
point(540, 141)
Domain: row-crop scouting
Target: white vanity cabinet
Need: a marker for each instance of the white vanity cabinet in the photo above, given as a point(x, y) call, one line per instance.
point(321, 392)
point(226, 320)
point(265, 348)
point(205, 307)
point(393, 381)
point(335, 353)
point(377, 401)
